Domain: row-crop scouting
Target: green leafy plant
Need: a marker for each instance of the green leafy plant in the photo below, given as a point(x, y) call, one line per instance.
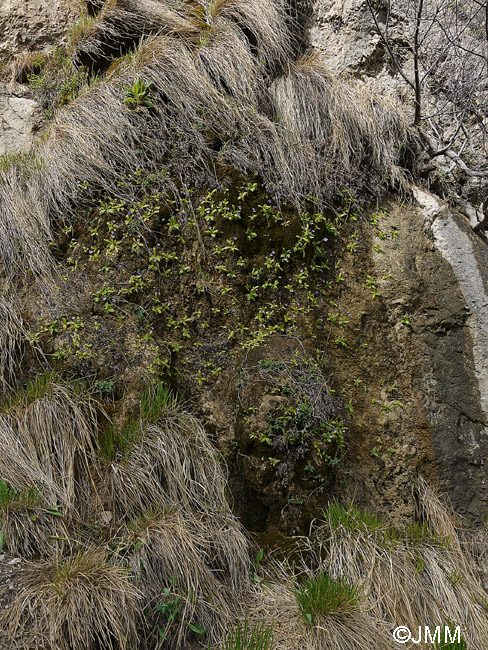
point(254, 572)
point(156, 399)
point(13, 498)
point(139, 94)
point(104, 386)
point(170, 607)
point(245, 637)
point(322, 595)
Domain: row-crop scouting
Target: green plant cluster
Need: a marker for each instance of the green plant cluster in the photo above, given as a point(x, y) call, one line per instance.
point(117, 443)
point(414, 534)
point(266, 269)
point(248, 637)
point(303, 430)
point(139, 94)
point(12, 498)
point(54, 80)
point(322, 595)
point(170, 609)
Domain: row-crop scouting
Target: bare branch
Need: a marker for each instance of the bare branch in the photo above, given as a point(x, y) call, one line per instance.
point(475, 173)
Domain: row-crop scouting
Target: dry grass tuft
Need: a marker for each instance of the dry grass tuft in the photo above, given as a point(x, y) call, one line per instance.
point(421, 577)
point(261, 23)
point(186, 548)
point(29, 528)
point(172, 561)
point(76, 602)
point(172, 462)
point(24, 217)
point(121, 24)
point(335, 127)
point(11, 338)
point(46, 443)
point(345, 631)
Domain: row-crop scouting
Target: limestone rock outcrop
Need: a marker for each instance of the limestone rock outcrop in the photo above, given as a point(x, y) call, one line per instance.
point(29, 25)
point(19, 119)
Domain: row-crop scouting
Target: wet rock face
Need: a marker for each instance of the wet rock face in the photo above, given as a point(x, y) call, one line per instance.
point(455, 349)
point(29, 25)
point(19, 119)
point(416, 361)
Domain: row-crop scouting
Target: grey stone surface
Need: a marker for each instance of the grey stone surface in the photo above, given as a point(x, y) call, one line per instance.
point(454, 338)
point(19, 120)
point(28, 25)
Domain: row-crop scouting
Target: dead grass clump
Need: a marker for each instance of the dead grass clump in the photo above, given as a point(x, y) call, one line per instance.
point(225, 56)
point(261, 23)
point(423, 574)
point(171, 562)
point(336, 631)
point(186, 548)
point(24, 217)
point(173, 461)
point(335, 128)
point(357, 578)
point(47, 444)
point(76, 602)
point(172, 456)
point(27, 527)
point(11, 338)
point(121, 24)
point(186, 464)
point(227, 548)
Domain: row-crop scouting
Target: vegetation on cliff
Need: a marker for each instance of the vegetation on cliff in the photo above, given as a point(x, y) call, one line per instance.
point(174, 325)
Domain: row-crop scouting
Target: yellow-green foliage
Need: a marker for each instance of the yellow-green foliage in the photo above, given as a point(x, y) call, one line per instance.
point(213, 103)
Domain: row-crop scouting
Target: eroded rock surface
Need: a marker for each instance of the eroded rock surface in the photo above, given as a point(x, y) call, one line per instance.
point(19, 119)
point(29, 25)
point(457, 381)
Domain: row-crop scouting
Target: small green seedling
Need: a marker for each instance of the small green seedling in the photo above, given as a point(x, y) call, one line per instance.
point(139, 94)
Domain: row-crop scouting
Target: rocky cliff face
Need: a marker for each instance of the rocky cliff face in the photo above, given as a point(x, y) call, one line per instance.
point(443, 278)
point(33, 26)
point(26, 29)
point(414, 287)
point(216, 250)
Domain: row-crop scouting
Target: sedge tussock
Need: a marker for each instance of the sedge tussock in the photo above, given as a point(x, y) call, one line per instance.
point(28, 528)
point(171, 561)
point(76, 602)
point(420, 575)
point(11, 337)
point(47, 444)
point(187, 464)
point(24, 218)
point(227, 548)
point(261, 22)
point(346, 631)
point(228, 61)
point(338, 126)
point(173, 461)
point(125, 22)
